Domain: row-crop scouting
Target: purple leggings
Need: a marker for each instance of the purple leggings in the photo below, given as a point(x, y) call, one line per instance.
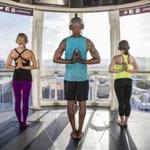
point(22, 91)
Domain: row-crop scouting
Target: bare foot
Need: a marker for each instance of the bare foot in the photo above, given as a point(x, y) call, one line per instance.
point(74, 135)
point(121, 124)
point(80, 134)
point(24, 125)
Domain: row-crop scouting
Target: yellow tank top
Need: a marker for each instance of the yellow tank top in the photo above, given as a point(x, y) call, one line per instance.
point(123, 74)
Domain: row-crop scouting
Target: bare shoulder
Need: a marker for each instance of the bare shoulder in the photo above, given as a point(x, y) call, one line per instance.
point(90, 44)
point(63, 43)
point(117, 56)
point(12, 53)
point(30, 52)
point(89, 41)
point(131, 58)
point(64, 40)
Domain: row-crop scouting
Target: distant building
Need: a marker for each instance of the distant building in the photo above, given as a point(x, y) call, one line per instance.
point(6, 95)
point(2, 63)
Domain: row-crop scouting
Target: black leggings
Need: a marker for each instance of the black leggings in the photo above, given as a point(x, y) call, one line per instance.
point(123, 89)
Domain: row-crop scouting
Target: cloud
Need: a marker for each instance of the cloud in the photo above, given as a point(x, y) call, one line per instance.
point(11, 25)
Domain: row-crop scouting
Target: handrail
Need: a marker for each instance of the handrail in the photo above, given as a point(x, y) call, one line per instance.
point(5, 70)
point(89, 70)
point(84, 9)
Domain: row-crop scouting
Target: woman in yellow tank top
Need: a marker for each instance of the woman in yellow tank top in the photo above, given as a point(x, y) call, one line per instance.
point(122, 66)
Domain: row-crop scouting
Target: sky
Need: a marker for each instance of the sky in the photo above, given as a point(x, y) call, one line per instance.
point(134, 28)
point(58, 28)
point(10, 26)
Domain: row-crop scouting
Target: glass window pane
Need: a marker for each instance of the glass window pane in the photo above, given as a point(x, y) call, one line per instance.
point(135, 29)
point(98, 30)
point(56, 28)
point(10, 25)
point(140, 100)
point(99, 87)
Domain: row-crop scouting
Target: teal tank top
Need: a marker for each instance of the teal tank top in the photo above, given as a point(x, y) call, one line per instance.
point(77, 71)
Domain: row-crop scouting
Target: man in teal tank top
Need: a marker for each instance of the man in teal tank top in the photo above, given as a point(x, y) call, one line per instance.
point(76, 84)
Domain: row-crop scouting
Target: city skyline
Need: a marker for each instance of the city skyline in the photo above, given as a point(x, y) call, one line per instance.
point(56, 28)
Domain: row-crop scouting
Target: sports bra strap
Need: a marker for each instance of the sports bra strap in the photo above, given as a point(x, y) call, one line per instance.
point(19, 54)
point(125, 60)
